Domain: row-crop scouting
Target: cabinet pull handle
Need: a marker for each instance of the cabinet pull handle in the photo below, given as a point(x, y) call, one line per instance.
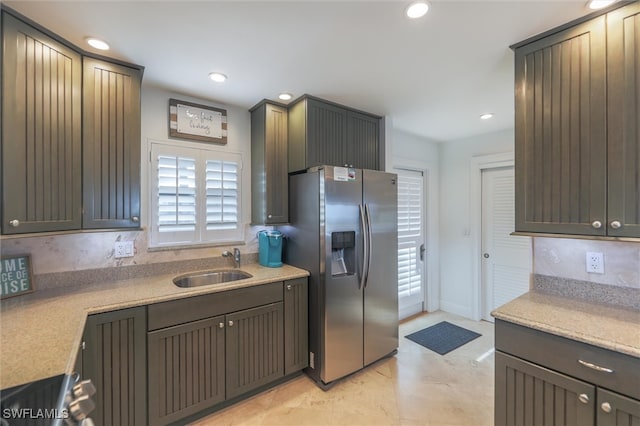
point(596, 224)
point(289, 287)
point(221, 325)
point(595, 367)
point(606, 407)
point(616, 224)
point(230, 323)
point(584, 398)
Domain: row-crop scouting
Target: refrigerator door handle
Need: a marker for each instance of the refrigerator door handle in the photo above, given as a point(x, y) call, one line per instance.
point(365, 254)
point(369, 244)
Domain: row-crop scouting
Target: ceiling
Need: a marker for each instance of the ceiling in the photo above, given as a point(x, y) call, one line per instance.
point(432, 77)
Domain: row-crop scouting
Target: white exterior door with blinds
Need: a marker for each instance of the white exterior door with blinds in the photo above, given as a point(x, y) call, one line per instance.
point(411, 242)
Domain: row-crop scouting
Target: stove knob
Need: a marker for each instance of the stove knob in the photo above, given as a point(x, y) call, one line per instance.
point(84, 387)
point(80, 408)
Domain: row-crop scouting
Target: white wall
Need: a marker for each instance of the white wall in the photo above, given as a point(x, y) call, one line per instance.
point(89, 250)
point(412, 152)
point(456, 241)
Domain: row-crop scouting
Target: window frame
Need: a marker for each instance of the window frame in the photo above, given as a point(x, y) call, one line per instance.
point(200, 236)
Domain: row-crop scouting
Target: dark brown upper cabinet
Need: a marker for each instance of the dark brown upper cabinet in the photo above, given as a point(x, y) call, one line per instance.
point(623, 118)
point(322, 132)
point(269, 175)
point(70, 135)
point(41, 131)
point(577, 142)
point(111, 145)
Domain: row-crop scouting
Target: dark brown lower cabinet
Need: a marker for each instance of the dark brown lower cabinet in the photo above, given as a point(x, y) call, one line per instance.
point(254, 348)
point(115, 359)
point(255, 336)
point(543, 379)
point(186, 369)
point(530, 394)
point(296, 325)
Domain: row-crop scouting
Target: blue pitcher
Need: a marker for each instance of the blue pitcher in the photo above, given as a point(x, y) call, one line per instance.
point(270, 248)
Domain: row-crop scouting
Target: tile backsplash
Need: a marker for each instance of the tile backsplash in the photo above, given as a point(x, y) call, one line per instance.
point(566, 258)
point(92, 250)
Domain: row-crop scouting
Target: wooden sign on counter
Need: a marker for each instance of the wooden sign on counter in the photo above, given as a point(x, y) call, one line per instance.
point(15, 275)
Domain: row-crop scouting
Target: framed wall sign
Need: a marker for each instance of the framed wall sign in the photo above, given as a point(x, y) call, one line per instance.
point(197, 122)
point(15, 276)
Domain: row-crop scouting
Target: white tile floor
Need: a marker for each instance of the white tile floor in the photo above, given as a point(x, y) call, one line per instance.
point(415, 387)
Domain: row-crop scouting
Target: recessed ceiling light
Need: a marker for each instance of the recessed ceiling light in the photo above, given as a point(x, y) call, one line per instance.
point(599, 4)
point(417, 9)
point(96, 43)
point(285, 96)
point(486, 116)
point(218, 77)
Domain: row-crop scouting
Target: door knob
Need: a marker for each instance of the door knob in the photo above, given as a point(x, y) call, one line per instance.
point(422, 250)
point(486, 255)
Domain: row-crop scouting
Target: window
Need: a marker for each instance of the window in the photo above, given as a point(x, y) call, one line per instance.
point(195, 196)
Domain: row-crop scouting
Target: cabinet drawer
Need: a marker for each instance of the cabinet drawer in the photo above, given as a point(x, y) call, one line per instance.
point(174, 312)
point(564, 355)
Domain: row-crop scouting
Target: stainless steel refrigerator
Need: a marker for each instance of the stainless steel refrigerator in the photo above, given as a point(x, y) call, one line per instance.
point(344, 232)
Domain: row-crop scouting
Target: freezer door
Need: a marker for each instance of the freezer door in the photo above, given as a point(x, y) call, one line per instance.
point(343, 332)
point(380, 196)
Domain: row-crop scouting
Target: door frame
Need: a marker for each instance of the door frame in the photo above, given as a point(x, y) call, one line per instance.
point(477, 165)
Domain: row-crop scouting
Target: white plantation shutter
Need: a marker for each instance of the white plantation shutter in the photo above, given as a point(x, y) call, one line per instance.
point(176, 193)
point(410, 202)
point(196, 197)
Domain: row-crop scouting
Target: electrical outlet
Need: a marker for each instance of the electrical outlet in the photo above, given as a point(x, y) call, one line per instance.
point(595, 262)
point(123, 249)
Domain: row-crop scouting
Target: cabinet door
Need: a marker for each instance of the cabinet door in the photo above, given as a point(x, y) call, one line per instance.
point(254, 348)
point(528, 394)
point(41, 131)
point(269, 168)
point(326, 134)
point(111, 145)
point(186, 369)
point(560, 148)
point(363, 141)
point(617, 410)
point(115, 359)
point(296, 325)
point(623, 137)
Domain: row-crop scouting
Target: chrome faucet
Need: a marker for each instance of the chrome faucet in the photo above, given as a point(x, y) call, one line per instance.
point(236, 256)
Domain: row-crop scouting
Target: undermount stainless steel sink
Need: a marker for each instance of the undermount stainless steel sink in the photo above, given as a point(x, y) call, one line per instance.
point(210, 277)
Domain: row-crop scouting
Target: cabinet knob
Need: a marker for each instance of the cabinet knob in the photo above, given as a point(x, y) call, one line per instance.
point(584, 398)
point(616, 224)
point(135, 219)
point(269, 216)
point(230, 323)
point(289, 287)
point(15, 223)
point(606, 407)
point(596, 224)
point(221, 325)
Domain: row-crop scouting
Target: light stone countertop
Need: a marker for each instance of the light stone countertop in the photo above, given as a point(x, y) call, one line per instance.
point(40, 333)
point(598, 324)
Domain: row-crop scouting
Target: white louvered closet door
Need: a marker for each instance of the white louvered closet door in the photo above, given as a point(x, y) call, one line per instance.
point(410, 238)
point(506, 261)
